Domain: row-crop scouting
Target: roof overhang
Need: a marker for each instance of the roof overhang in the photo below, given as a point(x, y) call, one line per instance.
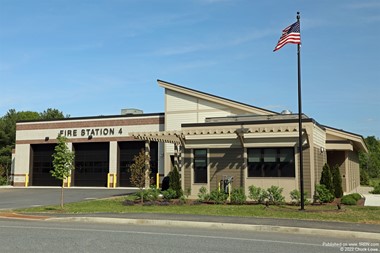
point(341, 140)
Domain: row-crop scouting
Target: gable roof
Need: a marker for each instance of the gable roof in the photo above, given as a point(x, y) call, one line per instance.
point(341, 135)
point(215, 99)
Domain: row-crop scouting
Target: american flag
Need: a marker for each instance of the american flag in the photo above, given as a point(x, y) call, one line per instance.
point(290, 34)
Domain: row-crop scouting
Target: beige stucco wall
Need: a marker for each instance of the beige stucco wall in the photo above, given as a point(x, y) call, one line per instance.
point(21, 163)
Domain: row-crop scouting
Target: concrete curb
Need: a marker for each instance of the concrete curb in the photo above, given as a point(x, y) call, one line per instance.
point(226, 226)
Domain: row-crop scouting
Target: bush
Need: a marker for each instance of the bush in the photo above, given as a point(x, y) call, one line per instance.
point(348, 200)
point(238, 197)
point(169, 194)
point(150, 194)
point(376, 189)
point(257, 194)
point(218, 196)
point(275, 195)
point(337, 182)
point(326, 178)
point(356, 196)
point(203, 195)
point(295, 195)
point(323, 194)
point(175, 182)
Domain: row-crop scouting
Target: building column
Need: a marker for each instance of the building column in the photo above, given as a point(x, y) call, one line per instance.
point(69, 181)
point(113, 164)
point(22, 164)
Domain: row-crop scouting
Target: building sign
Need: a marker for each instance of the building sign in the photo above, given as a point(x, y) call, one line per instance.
point(94, 132)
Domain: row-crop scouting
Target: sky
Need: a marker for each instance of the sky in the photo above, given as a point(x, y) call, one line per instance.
point(96, 57)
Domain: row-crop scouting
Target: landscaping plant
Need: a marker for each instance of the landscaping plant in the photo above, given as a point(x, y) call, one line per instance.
point(257, 194)
point(238, 197)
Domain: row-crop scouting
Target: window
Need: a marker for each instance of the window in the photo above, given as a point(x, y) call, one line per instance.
point(271, 162)
point(200, 166)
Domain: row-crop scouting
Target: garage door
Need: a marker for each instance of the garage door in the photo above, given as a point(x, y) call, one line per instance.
point(91, 164)
point(42, 164)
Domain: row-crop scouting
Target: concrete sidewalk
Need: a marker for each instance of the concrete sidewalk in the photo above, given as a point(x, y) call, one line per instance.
point(335, 229)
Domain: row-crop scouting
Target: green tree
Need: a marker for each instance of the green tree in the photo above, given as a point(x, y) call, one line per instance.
point(370, 162)
point(337, 182)
point(63, 162)
point(52, 114)
point(326, 178)
point(364, 177)
point(175, 182)
point(139, 172)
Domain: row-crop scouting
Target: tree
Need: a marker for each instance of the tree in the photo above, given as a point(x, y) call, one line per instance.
point(175, 182)
point(370, 162)
point(63, 162)
point(326, 178)
point(52, 114)
point(140, 172)
point(337, 182)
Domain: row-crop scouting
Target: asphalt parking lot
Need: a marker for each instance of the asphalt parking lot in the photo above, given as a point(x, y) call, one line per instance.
point(13, 198)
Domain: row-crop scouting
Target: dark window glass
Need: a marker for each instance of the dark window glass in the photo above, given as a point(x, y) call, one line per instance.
point(271, 162)
point(200, 166)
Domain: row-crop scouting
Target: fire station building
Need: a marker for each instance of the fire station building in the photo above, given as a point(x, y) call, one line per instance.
point(208, 137)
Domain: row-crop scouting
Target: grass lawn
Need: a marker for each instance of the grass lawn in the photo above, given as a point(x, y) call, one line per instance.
point(358, 214)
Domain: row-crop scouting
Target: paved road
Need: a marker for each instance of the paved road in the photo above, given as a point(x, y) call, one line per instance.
point(11, 198)
point(47, 236)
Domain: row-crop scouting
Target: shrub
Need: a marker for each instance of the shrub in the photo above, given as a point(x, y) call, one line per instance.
point(348, 200)
point(356, 196)
point(326, 178)
point(257, 194)
point(150, 194)
point(323, 194)
point(337, 182)
point(203, 195)
point(175, 182)
point(275, 195)
point(169, 194)
point(238, 197)
point(376, 189)
point(218, 196)
point(295, 195)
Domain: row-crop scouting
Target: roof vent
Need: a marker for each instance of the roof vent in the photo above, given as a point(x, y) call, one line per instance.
point(286, 112)
point(131, 111)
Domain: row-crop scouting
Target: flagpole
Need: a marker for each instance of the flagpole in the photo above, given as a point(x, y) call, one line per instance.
point(300, 121)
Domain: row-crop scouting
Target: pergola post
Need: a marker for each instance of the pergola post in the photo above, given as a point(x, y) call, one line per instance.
point(147, 164)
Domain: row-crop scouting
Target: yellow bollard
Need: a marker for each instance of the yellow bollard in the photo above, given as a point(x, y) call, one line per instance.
point(108, 180)
point(114, 180)
point(26, 180)
point(68, 181)
point(157, 181)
